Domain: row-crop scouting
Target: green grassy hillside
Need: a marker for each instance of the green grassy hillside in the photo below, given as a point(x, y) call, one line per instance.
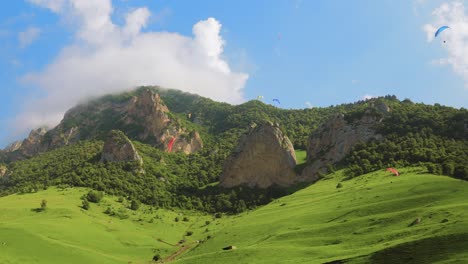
point(65, 233)
point(367, 220)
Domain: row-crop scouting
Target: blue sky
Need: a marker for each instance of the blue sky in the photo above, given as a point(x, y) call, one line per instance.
point(306, 53)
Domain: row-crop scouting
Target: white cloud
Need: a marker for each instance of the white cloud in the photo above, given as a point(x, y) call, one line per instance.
point(368, 97)
point(28, 36)
point(107, 58)
point(456, 38)
point(309, 104)
point(54, 5)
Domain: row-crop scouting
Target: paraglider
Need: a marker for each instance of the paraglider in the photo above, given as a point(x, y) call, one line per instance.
point(171, 142)
point(393, 170)
point(276, 100)
point(442, 28)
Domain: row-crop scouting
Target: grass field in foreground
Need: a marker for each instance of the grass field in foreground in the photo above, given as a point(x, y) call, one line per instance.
point(367, 220)
point(65, 233)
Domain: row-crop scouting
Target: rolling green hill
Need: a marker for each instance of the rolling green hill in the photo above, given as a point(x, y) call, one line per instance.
point(367, 220)
point(66, 233)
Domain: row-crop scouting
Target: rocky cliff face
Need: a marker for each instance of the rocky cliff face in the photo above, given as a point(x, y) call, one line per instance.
point(13, 146)
point(3, 171)
point(28, 147)
point(263, 157)
point(185, 142)
point(118, 148)
point(143, 117)
point(148, 108)
point(331, 142)
point(159, 128)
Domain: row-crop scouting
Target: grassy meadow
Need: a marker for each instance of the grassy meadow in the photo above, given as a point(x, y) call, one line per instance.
point(66, 233)
point(369, 219)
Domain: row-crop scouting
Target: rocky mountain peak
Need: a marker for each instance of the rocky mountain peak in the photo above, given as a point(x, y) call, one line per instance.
point(36, 134)
point(118, 148)
point(13, 146)
point(148, 103)
point(264, 157)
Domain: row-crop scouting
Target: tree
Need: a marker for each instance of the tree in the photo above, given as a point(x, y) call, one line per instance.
point(85, 204)
point(43, 205)
point(135, 205)
point(94, 196)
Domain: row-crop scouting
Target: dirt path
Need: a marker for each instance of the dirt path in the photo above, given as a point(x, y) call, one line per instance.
point(167, 243)
point(181, 250)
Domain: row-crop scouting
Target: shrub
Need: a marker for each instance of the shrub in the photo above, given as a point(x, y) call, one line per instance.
point(85, 204)
point(94, 196)
point(339, 185)
point(185, 219)
point(109, 211)
point(207, 222)
point(176, 219)
point(189, 233)
point(156, 257)
point(134, 205)
point(122, 213)
point(43, 205)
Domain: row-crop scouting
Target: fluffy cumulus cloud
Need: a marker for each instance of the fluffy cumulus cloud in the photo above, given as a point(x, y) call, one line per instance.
point(28, 36)
point(456, 38)
point(108, 58)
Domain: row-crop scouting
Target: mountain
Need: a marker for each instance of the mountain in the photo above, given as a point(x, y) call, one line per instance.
point(180, 152)
point(141, 115)
point(360, 137)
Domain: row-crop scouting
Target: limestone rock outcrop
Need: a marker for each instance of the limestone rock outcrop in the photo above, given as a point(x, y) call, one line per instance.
point(143, 116)
point(118, 148)
point(150, 110)
point(13, 146)
point(331, 142)
point(28, 147)
point(3, 171)
point(263, 157)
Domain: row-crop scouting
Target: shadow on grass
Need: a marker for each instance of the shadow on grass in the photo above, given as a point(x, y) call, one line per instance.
point(428, 250)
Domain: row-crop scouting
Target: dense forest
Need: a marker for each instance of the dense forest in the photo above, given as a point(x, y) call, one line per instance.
point(414, 134)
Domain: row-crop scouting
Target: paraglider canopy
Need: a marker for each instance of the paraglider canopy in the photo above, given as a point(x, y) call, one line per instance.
point(276, 100)
point(260, 97)
point(442, 28)
point(394, 171)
